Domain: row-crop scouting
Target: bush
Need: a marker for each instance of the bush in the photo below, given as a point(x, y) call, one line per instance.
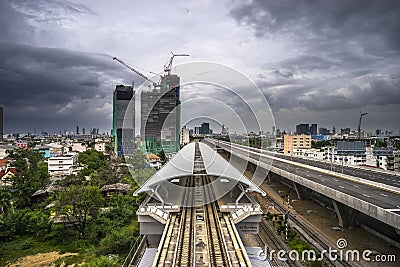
point(299, 245)
point(118, 240)
point(25, 221)
point(27, 243)
point(103, 261)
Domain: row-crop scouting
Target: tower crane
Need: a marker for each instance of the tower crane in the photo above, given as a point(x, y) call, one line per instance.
point(168, 65)
point(136, 71)
point(359, 124)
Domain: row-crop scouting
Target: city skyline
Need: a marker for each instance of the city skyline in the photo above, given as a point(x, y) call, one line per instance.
point(57, 68)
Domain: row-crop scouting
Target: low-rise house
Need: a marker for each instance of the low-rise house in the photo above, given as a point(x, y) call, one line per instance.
point(4, 149)
point(153, 161)
point(6, 175)
point(100, 146)
point(115, 189)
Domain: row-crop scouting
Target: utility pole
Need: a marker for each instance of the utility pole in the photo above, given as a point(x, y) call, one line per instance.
point(287, 217)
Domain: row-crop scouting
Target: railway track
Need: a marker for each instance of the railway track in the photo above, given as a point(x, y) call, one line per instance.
point(306, 231)
point(200, 235)
point(169, 242)
point(184, 254)
point(218, 255)
point(269, 239)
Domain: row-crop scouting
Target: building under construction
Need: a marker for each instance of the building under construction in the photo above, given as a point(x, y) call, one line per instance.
point(160, 117)
point(159, 112)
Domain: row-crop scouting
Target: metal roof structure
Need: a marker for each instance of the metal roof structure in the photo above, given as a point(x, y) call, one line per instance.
point(182, 164)
point(350, 148)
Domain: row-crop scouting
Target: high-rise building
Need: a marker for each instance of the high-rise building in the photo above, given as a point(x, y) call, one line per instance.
point(197, 130)
point(1, 123)
point(160, 117)
point(205, 128)
point(123, 120)
point(303, 128)
point(185, 136)
point(323, 131)
point(314, 129)
point(306, 128)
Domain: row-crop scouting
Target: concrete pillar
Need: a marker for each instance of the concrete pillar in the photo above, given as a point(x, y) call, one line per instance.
point(303, 193)
point(346, 215)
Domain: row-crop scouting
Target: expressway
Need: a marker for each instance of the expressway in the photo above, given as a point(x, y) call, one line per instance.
point(386, 200)
point(374, 201)
point(378, 197)
point(373, 175)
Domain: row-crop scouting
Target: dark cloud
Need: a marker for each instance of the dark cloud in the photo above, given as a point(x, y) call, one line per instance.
point(309, 20)
point(344, 55)
point(57, 87)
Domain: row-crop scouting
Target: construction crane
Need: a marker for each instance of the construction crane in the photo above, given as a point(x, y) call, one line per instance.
point(168, 65)
point(359, 124)
point(136, 71)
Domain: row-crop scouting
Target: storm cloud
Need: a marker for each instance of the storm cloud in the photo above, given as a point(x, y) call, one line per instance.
point(344, 56)
point(55, 88)
point(315, 61)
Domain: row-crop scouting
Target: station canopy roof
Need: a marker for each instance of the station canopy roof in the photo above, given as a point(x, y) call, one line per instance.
point(181, 165)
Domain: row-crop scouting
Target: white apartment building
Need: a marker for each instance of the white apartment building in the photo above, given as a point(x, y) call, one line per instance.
point(62, 164)
point(331, 154)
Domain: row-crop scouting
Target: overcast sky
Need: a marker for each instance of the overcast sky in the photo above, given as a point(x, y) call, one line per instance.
point(315, 61)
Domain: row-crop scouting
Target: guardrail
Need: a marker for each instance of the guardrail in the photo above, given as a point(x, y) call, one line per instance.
point(134, 253)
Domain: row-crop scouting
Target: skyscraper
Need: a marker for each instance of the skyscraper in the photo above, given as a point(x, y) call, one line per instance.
point(303, 128)
point(205, 128)
point(123, 120)
point(160, 117)
point(314, 129)
point(1, 123)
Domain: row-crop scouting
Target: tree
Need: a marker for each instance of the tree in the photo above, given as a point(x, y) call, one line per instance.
point(78, 203)
point(109, 174)
point(31, 174)
point(5, 200)
point(162, 156)
point(93, 159)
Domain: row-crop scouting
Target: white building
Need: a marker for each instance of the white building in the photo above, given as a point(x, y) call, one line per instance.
point(4, 149)
point(184, 136)
point(314, 153)
point(100, 146)
point(62, 164)
point(331, 154)
point(78, 147)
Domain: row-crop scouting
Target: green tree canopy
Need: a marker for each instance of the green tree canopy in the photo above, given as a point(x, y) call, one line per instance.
point(78, 203)
point(93, 159)
point(31, 174)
